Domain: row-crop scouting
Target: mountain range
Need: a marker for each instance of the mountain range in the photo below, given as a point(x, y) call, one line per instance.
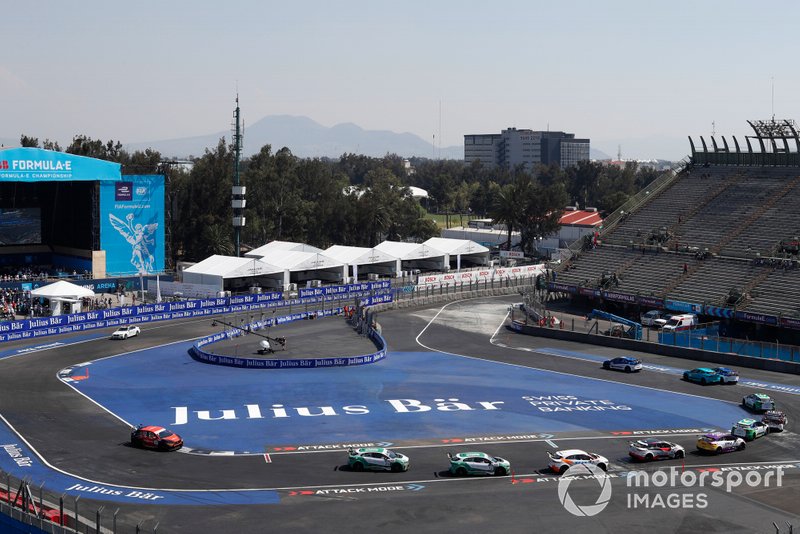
point(307, 138)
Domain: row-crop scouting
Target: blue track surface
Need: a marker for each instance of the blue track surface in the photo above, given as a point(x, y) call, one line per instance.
point(231, 409)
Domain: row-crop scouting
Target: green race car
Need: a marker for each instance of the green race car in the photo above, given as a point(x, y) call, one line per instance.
point(750, 429)
point(376, 459)
point(478, 463)
point(758, 402)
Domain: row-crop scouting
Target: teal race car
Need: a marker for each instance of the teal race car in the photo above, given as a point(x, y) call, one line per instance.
point(750, 429)
point(377, 459)
point(758, 402)
point(478, 463)
point(703, 375)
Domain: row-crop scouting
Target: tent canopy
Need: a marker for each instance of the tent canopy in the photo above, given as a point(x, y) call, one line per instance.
point(358, 255)
point(232, 267)
point(273, 247)
point(456, 246)
point(62, 289)
point(409, 251)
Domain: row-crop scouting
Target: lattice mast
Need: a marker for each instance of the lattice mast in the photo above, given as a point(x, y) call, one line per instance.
point(238, 191)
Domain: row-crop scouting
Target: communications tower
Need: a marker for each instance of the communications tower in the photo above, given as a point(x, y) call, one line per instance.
point(238, 201)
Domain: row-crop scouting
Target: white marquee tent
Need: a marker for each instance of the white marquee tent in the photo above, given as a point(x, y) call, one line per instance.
point(63, 292)
point(460, 249)
point(363, 260)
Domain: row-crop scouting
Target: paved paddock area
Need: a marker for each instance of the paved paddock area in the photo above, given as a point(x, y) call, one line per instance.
point(313, 338)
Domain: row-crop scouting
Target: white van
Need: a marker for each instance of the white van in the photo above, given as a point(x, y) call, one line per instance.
point(680, 322)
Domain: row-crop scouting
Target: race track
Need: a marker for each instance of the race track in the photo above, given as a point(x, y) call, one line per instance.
point(270, 445)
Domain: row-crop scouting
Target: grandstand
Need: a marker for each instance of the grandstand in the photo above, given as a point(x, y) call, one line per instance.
point(713, 238)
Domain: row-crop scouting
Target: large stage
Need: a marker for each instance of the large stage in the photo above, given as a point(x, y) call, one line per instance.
point(77, 214)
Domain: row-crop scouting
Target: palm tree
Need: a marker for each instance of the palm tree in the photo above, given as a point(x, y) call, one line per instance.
point(506, 209)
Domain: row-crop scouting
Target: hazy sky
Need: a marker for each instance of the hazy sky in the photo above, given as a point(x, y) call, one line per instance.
point(643, 74)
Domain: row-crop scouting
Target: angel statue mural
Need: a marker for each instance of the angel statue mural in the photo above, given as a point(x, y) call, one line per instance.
point(140, 237)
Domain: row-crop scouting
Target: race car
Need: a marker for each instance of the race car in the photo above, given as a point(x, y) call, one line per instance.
point(702, 375)
point(623, 363)
point(376, 459)
point(758, 402)
point(775, 420)
point(560, 461)
point(750, 429)
point(124, 332)
point(155, 437)
point(478, 463)
point(649, 449)
point(718, 442)
point(729, 376)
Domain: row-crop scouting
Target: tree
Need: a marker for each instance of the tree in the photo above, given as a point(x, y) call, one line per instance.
point(28, 142)
point(203, 202)
point(94, 148)
point(506, 209)
point(541, 213)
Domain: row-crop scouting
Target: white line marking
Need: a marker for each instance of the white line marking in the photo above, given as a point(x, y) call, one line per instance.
point(549, 442)
point(492, 442)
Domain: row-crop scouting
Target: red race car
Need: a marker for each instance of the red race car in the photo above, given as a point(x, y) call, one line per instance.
point(155, 437)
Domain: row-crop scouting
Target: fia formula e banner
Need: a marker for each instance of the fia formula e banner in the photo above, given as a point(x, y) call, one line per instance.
point(132, 224)
point(37, 165)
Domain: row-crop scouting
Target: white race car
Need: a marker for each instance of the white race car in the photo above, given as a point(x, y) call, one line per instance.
point(623, 363)
point(560, 461)
point(649, 449)
point(775, 420)
point(124, 332)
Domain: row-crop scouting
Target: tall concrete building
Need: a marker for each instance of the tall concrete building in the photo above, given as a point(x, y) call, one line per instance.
point(513, 147)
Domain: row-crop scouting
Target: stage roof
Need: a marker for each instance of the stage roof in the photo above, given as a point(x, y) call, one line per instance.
point(38, 165)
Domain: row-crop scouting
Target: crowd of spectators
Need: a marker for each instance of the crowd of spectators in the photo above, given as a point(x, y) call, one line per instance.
point(41, 272)
point(16, 302)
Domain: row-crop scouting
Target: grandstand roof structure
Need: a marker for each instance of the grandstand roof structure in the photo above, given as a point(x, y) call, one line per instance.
point(773, 146)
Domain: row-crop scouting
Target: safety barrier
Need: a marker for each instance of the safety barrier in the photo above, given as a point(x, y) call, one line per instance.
point(64, 324)
point(707, 354)
point(200, 355)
